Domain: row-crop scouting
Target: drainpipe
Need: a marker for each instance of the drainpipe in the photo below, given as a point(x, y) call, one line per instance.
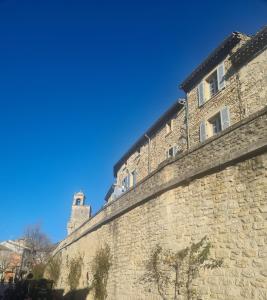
point(148, 161)
point(187, 122)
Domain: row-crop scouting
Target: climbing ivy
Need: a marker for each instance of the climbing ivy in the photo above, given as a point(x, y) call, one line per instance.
point(100, 268)
point(75, 271)
point(176, 271)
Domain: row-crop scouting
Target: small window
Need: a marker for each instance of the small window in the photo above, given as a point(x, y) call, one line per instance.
point(211, 84)
point(126, 183)
point(78, 202)
point(216, 124)
point(169, 126)
point(171, 152)
point(212, 81)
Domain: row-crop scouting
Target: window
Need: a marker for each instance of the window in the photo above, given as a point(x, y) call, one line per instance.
point(78, 202)
point(171, 152)
point(169, 126)
point(210, 85)
point(215, 124)
point(126, 182)
point(212, 82)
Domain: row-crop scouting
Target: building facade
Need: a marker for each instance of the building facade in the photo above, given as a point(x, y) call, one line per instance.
point(199, 171)
point(14, 256)
point(228, 86)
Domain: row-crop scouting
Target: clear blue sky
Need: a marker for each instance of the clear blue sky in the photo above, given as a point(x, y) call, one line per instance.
point(81, 80)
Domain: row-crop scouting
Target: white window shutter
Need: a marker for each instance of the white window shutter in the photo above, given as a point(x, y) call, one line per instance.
point(175, 150)
point(221, 76)
point(225, 117)
point(128, 181)
point(200, 92)
point(134, 177)
point(202, 131)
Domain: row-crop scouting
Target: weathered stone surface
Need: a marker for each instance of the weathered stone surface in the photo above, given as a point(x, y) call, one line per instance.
point(175, 213)
point(216, 189)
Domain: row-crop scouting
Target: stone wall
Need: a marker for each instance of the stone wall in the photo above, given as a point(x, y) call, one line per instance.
point(218, 189)
point(244, 93)
point(253, 82)
point(161, 141)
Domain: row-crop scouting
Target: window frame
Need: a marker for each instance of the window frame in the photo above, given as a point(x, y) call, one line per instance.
point(174, 150)
point(206, 126)
point(169, 127)
point(203, 88)
point(215, 122)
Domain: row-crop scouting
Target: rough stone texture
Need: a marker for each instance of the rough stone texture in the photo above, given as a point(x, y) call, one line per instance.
point(253, 83)
point(160, 143)
point(80, 212)
point(244, 93)
point(218, 189)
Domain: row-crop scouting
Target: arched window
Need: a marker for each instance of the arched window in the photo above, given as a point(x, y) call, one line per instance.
point(78, 202)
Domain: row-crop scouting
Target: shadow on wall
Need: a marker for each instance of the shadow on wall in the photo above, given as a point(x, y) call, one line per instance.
point(72, 295)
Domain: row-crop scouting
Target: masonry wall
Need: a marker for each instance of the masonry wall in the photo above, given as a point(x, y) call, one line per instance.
point(160, 143)
point(218, 189)
point(244, 93)
point(228, 96)
point(253, 83)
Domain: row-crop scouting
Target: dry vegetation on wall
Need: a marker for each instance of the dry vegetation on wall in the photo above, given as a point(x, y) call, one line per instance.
point(75, 271)
point(38, 271)
point(176, 271)
point(100, 268)
point(53, 268)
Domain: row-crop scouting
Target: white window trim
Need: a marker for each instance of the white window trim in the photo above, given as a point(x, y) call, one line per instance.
point(206, 93)
point(208, 132)
point(169, 127)
point(175, 151)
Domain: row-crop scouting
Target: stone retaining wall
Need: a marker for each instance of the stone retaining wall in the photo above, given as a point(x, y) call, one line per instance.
point(218, 189)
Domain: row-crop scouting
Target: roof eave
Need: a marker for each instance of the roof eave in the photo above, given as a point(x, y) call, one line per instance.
point(177, 106)
point(251, 48)
point(214, 58)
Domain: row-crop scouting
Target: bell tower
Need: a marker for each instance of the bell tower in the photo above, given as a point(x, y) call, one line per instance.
point(79, 212)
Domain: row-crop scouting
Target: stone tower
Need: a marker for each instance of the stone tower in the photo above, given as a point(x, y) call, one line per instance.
point(79, 212)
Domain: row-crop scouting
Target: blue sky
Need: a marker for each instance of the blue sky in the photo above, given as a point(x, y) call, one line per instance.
point(80, 81)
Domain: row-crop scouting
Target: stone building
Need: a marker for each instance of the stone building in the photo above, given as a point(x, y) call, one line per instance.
point(80, 212)
point(228, 86)
point(164, 139)
point(199, 171)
